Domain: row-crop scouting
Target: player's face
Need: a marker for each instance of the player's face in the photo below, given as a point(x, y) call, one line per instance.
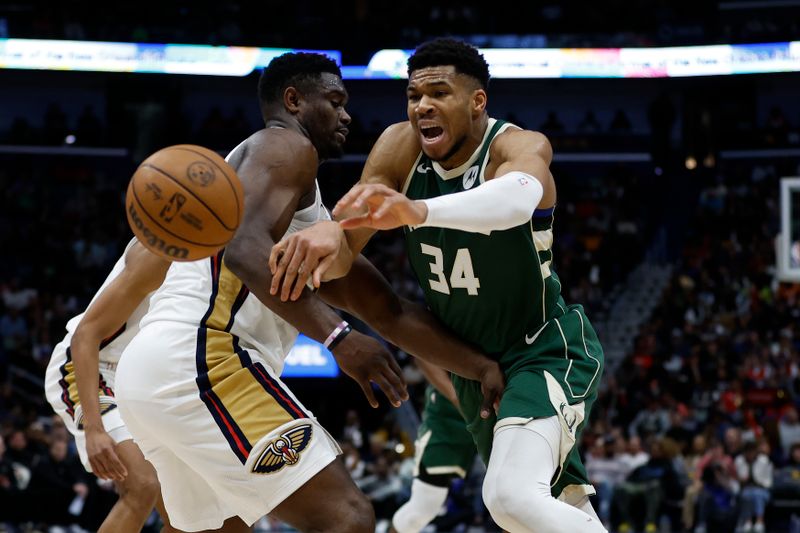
point(441, 108)
point(327, 119)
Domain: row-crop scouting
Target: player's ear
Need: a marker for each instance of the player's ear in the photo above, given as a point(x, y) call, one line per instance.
point(479, 99)
point(291, 100)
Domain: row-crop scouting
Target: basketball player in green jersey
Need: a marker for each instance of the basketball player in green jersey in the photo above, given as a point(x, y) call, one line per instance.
point(444, 451)
point(475, 197)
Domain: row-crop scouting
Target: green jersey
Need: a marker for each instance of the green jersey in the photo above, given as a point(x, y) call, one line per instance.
point(492, 290)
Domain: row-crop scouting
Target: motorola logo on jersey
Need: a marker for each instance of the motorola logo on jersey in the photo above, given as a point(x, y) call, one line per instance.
point(201, 173)
point(283, 451)
point(470, 176)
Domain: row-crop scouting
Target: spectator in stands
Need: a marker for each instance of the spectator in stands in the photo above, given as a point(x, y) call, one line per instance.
point(552, 125)
point(786, 481)
point(654, 420)
point(716, 506)
point(789, 430)
point(648, 486)
point(620, 123)
point(695, 479)
point(605, 469)
point(633, 456)
point(59, 480)
point(754, 470)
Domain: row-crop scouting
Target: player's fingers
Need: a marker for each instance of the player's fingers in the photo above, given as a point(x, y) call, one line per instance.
point(385, 206)
point(321, 269)
point(274, 255)
point(357, 222)
point(98, 468)
point(487, 406)
point(280, 269)
point(347, 200)
point(395, 376)
point(303, 273)
point(390, 391)
point(292, 270)
point(116, 466)
point(367, 388)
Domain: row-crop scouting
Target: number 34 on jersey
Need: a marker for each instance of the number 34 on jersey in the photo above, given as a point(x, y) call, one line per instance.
point(462, 275)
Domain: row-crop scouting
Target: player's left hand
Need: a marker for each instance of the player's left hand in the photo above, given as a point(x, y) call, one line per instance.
point(304, 254)
point(381, 208)
point(493, 383)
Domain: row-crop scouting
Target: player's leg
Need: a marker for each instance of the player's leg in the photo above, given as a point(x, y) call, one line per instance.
point(328, 502)
point(427, 499)
point(138, 492)
point(516, 489)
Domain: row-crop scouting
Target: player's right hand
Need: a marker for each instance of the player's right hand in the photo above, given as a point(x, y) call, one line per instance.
point(366, 361)
point(493, 383)
point(303, 254)
point(104, 461)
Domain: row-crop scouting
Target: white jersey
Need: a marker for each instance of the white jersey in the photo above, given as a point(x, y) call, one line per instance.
point(206, 294)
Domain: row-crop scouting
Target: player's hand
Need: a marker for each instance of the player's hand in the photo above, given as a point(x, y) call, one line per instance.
point(366, 361)
point(304, 254)
point(493, 383)
point(379, 207)
point(103, 459)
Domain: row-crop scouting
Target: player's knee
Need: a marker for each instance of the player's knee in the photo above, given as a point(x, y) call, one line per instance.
point(509, 504)
point(141, 489)
point(355, 514)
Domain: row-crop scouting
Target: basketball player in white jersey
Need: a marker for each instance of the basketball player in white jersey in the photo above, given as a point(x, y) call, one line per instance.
point(80, 382)
point(199, 386)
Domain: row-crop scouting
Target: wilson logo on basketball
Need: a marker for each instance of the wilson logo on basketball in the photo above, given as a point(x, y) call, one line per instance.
point(151, 240)
point(174, 205)
point(283, 451)
point(201, 173)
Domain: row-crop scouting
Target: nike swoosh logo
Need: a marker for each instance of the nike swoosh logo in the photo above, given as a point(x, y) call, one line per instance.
point(531, 340)
point(422, 169)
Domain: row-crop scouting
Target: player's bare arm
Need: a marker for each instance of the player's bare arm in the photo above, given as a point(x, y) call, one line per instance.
point(514, 188)
point(439, 378)
point(413, 328)
point(144, 272)
point(277, 170)
point(388, 165)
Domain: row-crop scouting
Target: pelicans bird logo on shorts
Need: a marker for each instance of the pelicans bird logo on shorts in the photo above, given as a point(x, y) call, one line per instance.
point(285, 450)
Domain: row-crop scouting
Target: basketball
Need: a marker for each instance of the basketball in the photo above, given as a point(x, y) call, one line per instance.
point(184, 203)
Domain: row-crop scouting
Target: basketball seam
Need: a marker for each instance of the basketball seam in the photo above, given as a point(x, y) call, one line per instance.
point(151, 217)
point(230, 181)
point(187, 189)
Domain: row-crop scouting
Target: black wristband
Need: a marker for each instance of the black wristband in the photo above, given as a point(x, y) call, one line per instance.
point(342, 334)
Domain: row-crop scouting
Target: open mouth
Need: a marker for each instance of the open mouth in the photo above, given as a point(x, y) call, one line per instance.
point(431, 134)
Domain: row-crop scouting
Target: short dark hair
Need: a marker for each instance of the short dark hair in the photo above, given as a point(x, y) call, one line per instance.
point(296, 69)
point(446, 51)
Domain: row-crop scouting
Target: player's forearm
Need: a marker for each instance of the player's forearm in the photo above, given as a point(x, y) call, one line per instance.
point(418, 332)
point(86, 360)
point(501, 203)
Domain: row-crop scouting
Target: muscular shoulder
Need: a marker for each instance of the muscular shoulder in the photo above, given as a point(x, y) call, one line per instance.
point(514, 141)
point(392, 156)
point(278, 152)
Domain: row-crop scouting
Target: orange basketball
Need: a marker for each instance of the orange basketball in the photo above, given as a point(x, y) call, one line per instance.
point(184, 202)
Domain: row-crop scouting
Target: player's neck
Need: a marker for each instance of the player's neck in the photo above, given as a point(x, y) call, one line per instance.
point(289, 123)
point(464, 148)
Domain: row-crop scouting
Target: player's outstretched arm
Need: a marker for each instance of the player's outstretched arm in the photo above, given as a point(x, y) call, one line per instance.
point(144, 272)
point(277, 170)
point(507, 199)
point(365, 293)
